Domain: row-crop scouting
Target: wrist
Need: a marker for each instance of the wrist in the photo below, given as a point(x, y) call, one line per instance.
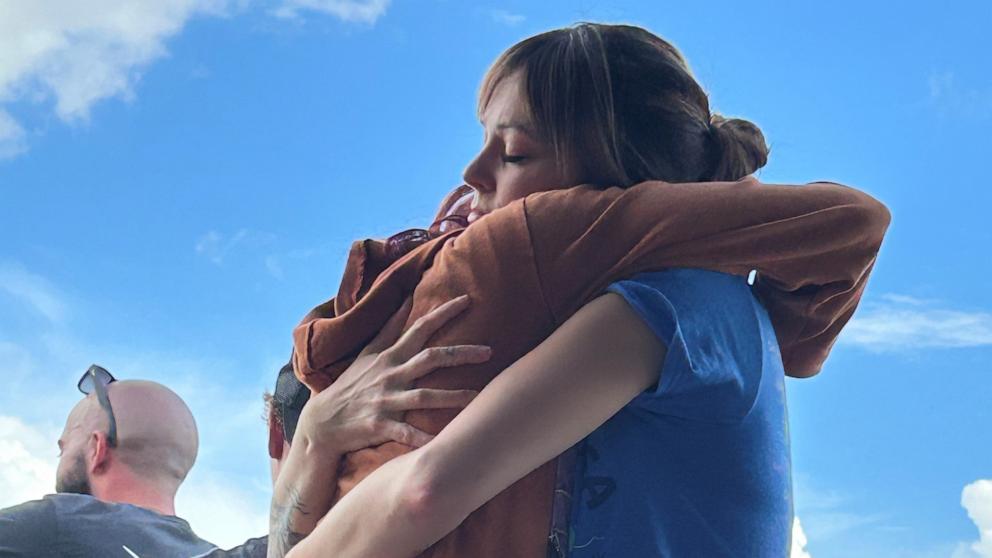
point(316, 439)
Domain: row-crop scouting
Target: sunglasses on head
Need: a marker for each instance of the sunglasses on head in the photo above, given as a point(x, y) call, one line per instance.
point(95, 380)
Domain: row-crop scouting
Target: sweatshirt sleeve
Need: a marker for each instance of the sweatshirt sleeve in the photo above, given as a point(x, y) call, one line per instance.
point(812, 246)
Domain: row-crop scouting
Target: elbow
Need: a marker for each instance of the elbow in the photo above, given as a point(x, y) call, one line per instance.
point(864, 219)
point(429, 502)
point(877, 218)
point(867, 216)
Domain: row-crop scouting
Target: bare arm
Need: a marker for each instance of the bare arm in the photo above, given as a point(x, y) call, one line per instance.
point(363, 408)
point(586, 371)
point(301, 495)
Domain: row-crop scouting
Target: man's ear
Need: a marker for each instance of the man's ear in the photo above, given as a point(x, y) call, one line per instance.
point(98, 451)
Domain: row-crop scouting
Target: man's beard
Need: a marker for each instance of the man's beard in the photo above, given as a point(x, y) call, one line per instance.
point(75, 480)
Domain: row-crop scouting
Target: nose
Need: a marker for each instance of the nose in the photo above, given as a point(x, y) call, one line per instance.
point(478, 175)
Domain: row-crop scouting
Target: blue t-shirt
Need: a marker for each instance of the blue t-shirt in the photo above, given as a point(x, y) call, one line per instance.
point(697, 466)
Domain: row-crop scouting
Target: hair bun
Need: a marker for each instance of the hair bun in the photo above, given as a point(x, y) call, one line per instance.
point(740, 148)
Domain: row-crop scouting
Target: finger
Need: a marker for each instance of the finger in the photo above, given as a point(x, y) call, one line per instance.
point(391, 331)
point(429, 360)
point(405, 434)
point(430, 399)
point(427, 325)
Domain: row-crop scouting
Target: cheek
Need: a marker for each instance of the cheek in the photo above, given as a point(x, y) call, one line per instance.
point(66, 461)
point(530, 181)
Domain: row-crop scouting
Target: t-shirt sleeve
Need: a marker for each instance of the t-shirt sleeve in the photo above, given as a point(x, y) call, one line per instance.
point(708, 324)
point(28, 530)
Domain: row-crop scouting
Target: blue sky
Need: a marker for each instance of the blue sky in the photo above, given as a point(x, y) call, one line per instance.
point(180, 181)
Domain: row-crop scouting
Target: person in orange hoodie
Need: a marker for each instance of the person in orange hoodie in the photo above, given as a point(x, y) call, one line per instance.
point(668, 384)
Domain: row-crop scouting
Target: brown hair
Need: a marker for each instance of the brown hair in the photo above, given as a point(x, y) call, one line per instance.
point(623, 101)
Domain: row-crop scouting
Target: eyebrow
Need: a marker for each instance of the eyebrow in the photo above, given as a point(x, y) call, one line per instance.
point(514, 125)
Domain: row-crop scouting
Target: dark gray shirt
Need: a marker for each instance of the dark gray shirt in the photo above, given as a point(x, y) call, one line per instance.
point(72, 525)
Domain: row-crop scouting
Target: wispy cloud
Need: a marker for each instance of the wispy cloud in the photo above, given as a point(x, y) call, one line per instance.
point(206, 497)
point(33, 290)
point(216, 246)
point(504, 17)
point(13, 140)
point(252, 248)
point(275, 264)
point(829, 514)
point(976, 498)
point(353, 11)
point(951, 97)
point(898, 322)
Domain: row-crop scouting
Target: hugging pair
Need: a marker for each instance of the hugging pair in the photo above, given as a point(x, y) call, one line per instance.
point(629, 402)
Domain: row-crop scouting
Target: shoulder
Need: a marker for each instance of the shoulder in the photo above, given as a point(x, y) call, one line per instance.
point(33, 510)
point(688, 285)
point(29, 529)
point(706, 300)
point(714, 334)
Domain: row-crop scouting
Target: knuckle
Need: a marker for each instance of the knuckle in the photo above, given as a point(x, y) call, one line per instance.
point(431, 355)
point(376, 402)
point(383, 359)
point(422, 322)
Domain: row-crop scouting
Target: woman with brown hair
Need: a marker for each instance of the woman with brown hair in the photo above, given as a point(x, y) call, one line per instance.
point(671, 382)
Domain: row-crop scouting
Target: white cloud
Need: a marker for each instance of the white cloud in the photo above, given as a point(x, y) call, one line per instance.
point(352, 11)
point(977, 499)
point(798, 541)
point(220, 511)
point(32, 289)
point(899, 322)
point(74, 53)
point(506, 18)
point(77, 53)
point(27, 461)
point(13, 140)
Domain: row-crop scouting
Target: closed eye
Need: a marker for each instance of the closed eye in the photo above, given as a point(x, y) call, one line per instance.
point(513, 159)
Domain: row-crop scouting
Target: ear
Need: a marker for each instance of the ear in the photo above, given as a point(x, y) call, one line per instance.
point(98, 451)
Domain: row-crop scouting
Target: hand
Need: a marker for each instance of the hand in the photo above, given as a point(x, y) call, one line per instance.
point(364, 406)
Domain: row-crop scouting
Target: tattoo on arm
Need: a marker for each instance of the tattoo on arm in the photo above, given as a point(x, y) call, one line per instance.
point(282, 537)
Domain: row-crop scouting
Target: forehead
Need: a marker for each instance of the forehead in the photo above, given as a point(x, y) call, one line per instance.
point(508, 106)
point(78, 413)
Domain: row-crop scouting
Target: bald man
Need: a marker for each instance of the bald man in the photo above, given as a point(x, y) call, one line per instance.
point(119, 469)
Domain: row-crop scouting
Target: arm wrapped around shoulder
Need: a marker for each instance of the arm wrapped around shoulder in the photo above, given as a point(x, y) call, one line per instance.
point(813, 247)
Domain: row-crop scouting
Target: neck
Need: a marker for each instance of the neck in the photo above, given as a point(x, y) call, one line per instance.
point(124, 487)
